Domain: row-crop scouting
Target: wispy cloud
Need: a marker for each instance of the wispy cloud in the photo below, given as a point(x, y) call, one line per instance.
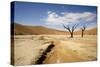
point(54, 18)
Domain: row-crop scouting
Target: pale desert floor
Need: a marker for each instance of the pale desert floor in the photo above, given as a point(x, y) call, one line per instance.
point(29, 48)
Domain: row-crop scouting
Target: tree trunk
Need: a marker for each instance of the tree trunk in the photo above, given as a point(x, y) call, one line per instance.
point(71, 34)
point(82, 33)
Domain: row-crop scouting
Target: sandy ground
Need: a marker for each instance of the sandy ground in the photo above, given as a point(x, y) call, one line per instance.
point(28, 48)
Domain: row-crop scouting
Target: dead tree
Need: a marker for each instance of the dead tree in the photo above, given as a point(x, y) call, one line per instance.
point(71, 29)
point(83, 29)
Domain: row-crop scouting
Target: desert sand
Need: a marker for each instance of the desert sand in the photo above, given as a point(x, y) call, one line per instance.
point(29, 48)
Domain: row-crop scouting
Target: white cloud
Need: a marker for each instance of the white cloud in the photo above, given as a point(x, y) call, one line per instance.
point(69, 17)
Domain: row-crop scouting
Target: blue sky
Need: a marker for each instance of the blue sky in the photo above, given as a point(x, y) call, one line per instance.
point(53, 15)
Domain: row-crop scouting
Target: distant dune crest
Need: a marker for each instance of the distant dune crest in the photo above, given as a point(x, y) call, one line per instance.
point(37, 30)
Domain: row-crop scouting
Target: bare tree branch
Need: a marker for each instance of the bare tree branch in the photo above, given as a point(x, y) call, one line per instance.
point(83, 28)
point(74, 27)
point(67, 27)
point(71, 29)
